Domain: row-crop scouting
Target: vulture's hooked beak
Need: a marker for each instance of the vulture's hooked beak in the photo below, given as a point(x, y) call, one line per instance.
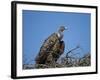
point(66, 28)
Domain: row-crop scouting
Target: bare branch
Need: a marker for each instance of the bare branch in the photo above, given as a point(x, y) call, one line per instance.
point(72, 50)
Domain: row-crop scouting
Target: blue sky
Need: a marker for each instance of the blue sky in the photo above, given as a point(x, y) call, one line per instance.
point(38, 25)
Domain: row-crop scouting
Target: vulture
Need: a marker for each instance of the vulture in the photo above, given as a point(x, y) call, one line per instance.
point(52, 48)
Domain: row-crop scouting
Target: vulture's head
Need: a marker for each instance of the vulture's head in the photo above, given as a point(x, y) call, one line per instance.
point(62, 28)
point(60, 31)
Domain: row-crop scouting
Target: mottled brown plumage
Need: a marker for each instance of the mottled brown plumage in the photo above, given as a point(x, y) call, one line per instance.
point(51, 49)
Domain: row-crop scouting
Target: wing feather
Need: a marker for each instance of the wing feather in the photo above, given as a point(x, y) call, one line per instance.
point(46, 48)
point(58, 49)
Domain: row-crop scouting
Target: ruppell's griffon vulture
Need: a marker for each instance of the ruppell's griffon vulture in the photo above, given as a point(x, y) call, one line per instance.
point(52, 48)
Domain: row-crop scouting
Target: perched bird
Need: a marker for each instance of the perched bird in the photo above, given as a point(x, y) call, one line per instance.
point(52, 48)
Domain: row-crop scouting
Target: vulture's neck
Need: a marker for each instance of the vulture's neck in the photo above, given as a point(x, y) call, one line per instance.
point(60, 34)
